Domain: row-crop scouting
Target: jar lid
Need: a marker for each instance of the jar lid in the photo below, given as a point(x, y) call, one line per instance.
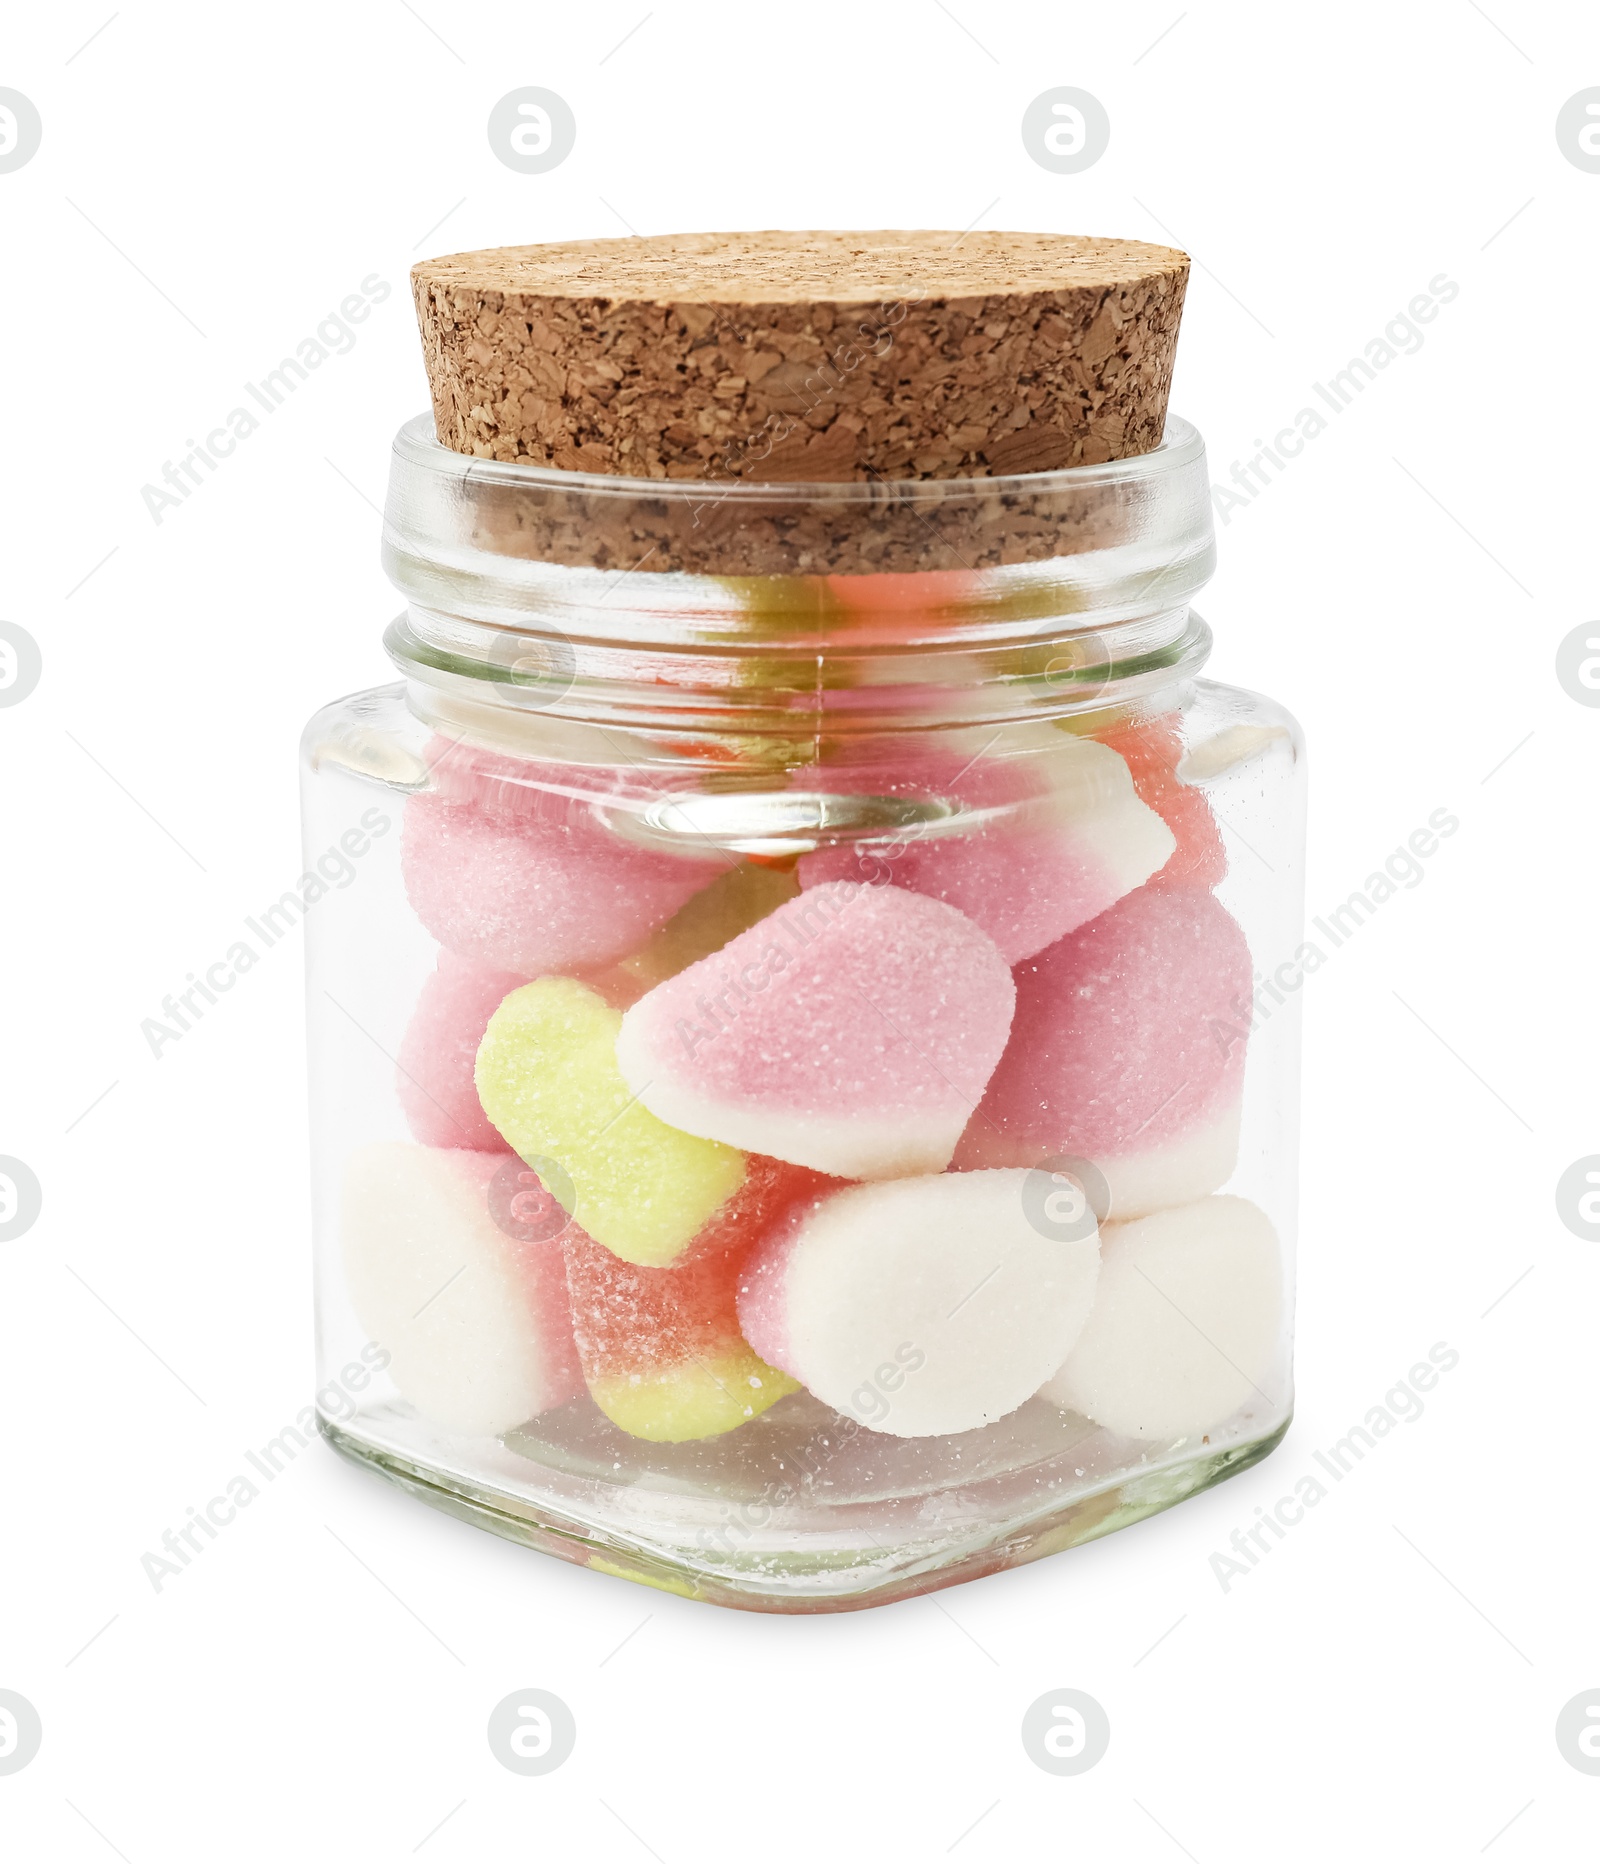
point(797, 357)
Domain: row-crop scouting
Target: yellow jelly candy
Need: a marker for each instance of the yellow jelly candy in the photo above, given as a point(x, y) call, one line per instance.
point(679, 1403)
point(548, 1079)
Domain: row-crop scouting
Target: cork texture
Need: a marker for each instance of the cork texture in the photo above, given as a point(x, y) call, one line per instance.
point(784, 535)
point(804, 357)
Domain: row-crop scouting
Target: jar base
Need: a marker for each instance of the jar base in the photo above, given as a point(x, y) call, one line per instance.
point(845, 1572)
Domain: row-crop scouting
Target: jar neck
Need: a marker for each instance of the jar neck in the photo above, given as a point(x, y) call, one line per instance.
point(798, 684)
point(794, 612)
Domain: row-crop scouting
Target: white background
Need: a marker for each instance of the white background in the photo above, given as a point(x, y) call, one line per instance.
point(1387, 1680)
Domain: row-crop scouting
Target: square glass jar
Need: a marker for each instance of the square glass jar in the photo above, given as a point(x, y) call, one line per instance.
point(956, 1233)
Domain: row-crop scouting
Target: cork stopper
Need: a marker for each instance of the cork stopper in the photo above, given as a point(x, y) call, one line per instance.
point(804, 357)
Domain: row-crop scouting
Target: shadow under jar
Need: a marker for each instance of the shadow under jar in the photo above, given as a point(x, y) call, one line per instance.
point(803, 1002)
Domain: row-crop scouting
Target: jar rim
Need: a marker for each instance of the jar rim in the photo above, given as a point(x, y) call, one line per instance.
point(504, 521)
point(417, 443)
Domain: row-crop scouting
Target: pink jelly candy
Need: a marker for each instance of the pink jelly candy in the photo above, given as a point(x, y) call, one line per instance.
point(853, 1030)
point(1129, 1053)
point(1152, 750)
point(660, 1348)
point(526, 879)
point(434, 1078)
point(900, 605)
point(1072, 836)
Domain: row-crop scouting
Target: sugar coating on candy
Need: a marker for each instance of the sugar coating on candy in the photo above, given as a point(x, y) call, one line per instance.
point(922, 1307)
point(852, 1031)
point(528, 879)
point(548, 1079)
point(1185, 1325)
point(476, 1324)
point(1129, 1052)
point(1053, 840)
point(434, 1076)
point(530, 898)
point(1152, 750)
point(1172, 1171)
point(661, 1350)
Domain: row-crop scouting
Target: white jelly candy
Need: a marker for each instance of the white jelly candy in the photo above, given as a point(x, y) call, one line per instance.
point(922, 1307)
point(476, 1323)
point(1185, 1325)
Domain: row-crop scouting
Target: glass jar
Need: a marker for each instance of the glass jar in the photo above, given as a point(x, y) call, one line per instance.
point(803, 988)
